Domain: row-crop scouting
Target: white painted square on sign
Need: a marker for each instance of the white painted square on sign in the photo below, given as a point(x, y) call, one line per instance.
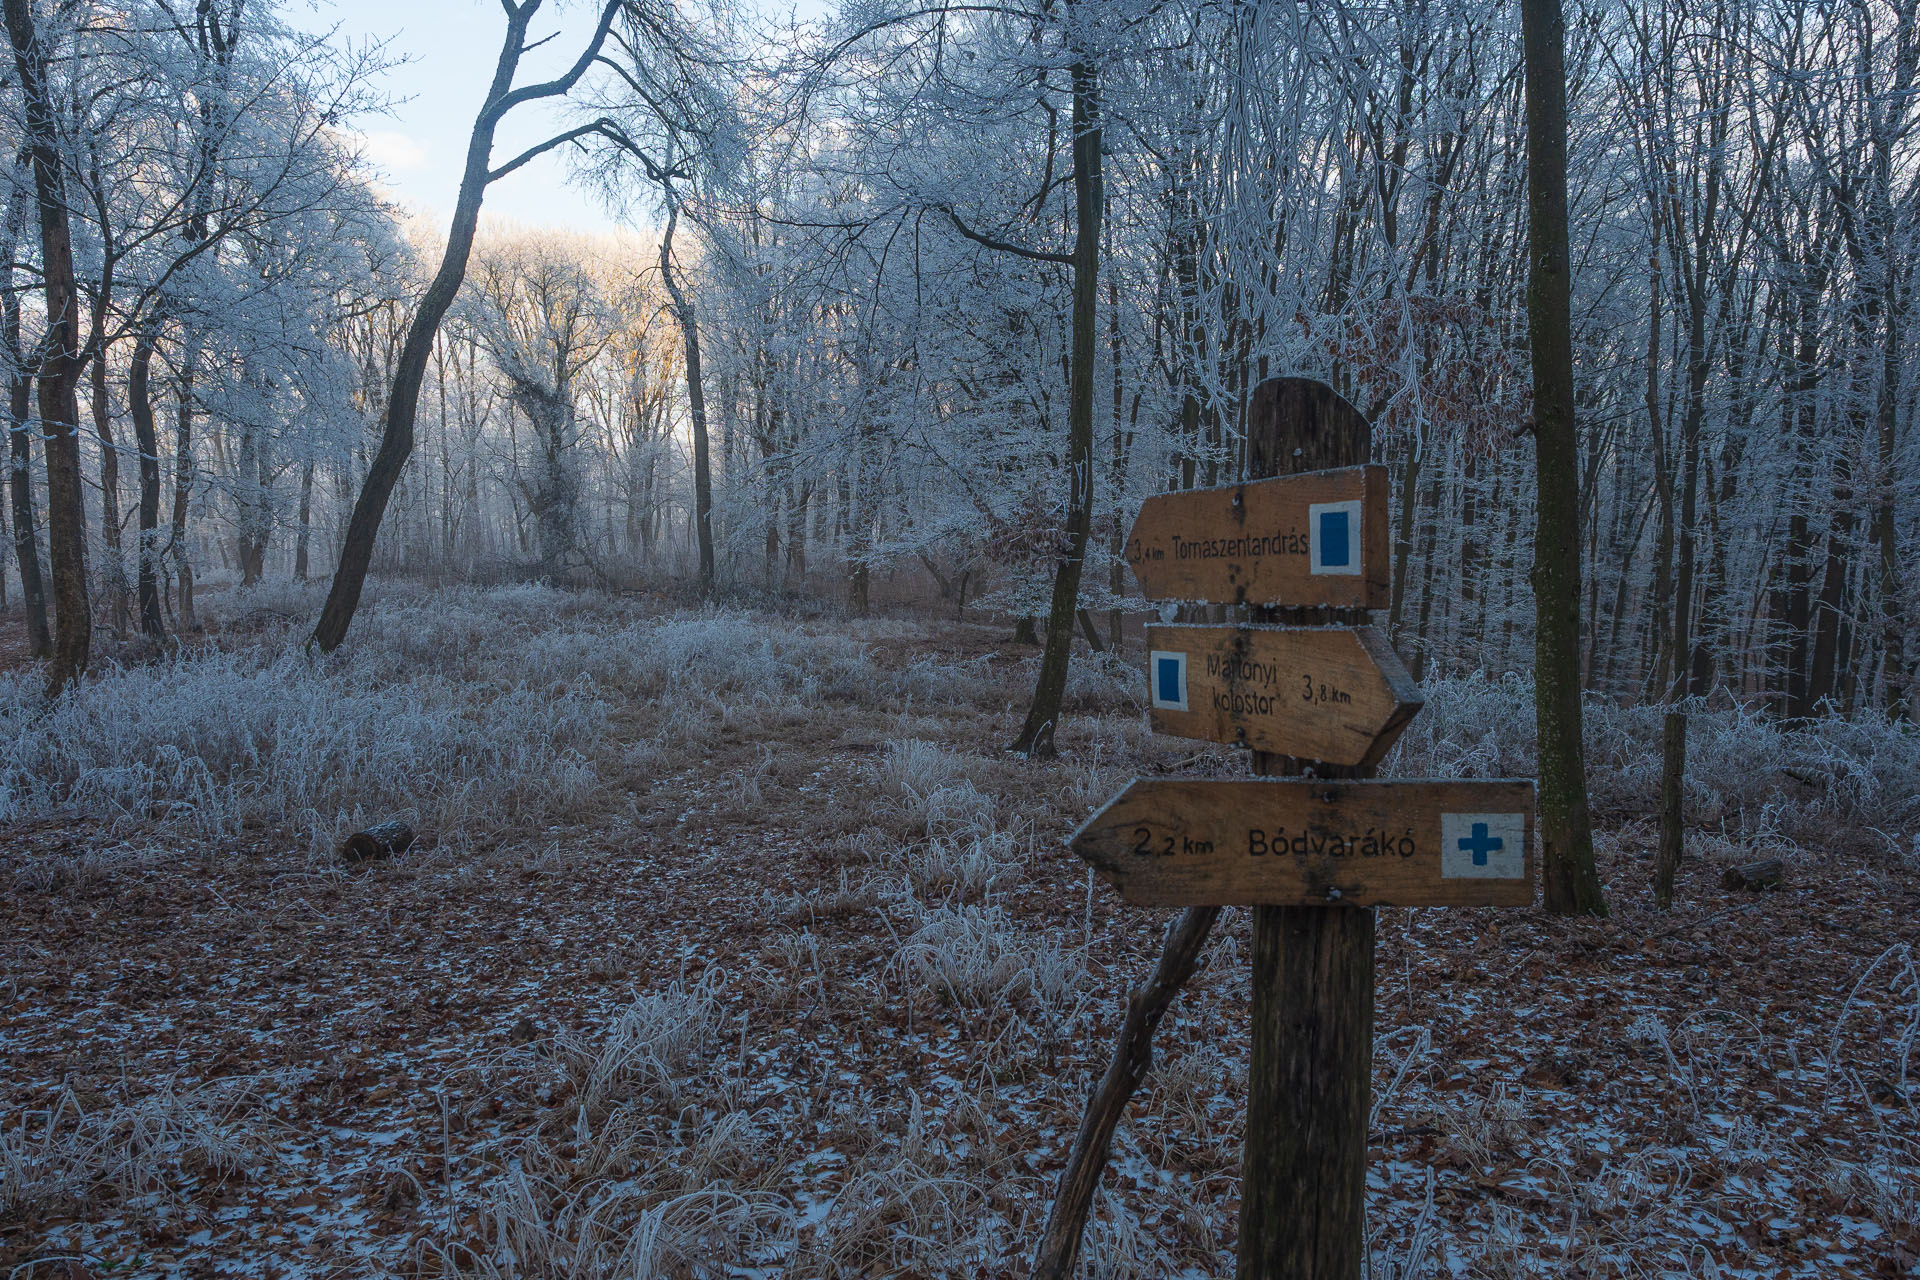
point(1333, 537)
point(1483, 846)
point(1167, 677)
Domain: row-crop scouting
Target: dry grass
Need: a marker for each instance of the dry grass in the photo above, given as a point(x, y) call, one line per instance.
point(741, 945)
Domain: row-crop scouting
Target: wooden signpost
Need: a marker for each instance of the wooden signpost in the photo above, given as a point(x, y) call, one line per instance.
point(1334, 694)
point(1303, 544)
point(1167, 843)
point(1311, 539)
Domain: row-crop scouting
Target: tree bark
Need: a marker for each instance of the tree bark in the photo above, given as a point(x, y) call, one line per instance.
point(61, 361)
point(1673, 772)
point(20, 433)
point(1035, 739)
point(183, 479)
point(306, 522)
point(140, 408)
point(697, 406)
point(1572, 884)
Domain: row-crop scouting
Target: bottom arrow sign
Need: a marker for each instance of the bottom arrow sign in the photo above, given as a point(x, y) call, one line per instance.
point(1408, 843)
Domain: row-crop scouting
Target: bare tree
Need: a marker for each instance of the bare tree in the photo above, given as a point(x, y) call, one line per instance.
point(1572, 886)
point(403, 400)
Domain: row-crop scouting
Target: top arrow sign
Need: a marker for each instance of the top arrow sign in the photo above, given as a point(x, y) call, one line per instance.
point(1319, 538)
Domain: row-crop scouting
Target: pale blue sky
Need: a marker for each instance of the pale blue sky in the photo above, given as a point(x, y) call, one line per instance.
point(451, 47)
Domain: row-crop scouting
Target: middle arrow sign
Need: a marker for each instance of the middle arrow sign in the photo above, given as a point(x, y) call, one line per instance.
point(1338, 695)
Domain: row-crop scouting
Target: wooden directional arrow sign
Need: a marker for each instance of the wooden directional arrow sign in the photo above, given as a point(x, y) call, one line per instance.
point(1319, 538)
point(1335, 694)
point(1167, 843)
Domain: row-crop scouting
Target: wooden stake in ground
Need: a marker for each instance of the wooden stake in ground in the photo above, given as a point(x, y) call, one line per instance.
point(1673, 770)
point(1303, 1191)
point(1132, 1059)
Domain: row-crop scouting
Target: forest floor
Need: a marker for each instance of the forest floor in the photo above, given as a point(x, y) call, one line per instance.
point(736, 944)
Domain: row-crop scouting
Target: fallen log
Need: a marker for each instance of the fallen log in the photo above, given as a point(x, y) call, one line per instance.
point(381, 840)
point(1769, 873)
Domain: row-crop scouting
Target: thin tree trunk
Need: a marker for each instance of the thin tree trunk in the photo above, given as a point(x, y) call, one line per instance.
point(1043, 715)
point(20, 433)
point(306, 517)
point(697, 407)
point(116, 568)
point(140, 408)
point(1572, 885)
point(183, 480)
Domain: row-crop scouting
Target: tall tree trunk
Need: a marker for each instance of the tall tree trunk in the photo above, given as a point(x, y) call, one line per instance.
point(140, 408)
point(61, 361)
point(1043, 715)
point(1692, 423)
point(26, 544)
point(1116, 474)
point(1831, 607)
point(1662, 585)
point(184, 475)
point(253, 507)
point(696, 402)
point(115, 575)
point(306, 519)
point(1895, 675)
point(1572, 885)
point(1403, 535)
point(1793, 611)
point(20, 433)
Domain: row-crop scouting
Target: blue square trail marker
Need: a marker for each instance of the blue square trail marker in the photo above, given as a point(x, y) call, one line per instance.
point(1169, 680)
point(1335, 539)
point(1334, 536)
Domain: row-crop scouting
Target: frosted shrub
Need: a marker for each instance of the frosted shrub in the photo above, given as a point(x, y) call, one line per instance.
point(643, 1050)
point(934, 680)
point(960, 868)
point(207, 741)
point(1742, 767)
point(1118, 1247)
point(731, 654)
point(65, 1157)
point(1101, 683)
point(905, 1211)
point(929, 791)
point(913, 770)
point(978, 958)
point(1472, 727)
point(538, 1231)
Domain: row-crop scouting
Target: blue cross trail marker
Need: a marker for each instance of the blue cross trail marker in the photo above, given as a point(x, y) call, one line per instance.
point(1480, 844)
point(1483, 846)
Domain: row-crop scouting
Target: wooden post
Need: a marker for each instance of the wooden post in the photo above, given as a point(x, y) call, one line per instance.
point(1304, 1174)
point(1673, 771)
